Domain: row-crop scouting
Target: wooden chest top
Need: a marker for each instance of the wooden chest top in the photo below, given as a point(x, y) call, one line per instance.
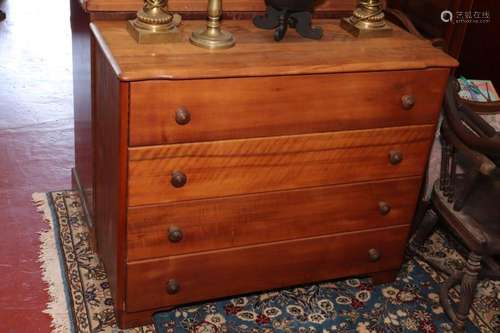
point(256, 54)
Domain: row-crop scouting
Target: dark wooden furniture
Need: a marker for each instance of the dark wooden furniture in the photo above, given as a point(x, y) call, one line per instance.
point(467, 203)
point(426, 15)
point(220, 173)
point(201, 5)
point(482, 107)
point(473, 44)
point(479, 56)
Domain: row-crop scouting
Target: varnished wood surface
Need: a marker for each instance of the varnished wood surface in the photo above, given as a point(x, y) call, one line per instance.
point(254, 107)
point(247, 269)
point(256, 53)
point(223, 168)
point(110, 98)
point(269, 202)
point(189, 15)
point(201, 5)
point(84, 150)
point(261, 218)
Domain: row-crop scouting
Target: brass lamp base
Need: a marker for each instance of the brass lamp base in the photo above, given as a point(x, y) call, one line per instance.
point(363, 29)
point(212, 39)
point(367, 20)
point(147, 33)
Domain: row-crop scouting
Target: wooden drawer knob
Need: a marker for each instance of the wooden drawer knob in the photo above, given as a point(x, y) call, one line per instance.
point(173, 287)
point(178, 179)
point(182, 116)
point(384, 207)
point(174, 234)
point(395, 157)
point(408, 102)
point(374, 255)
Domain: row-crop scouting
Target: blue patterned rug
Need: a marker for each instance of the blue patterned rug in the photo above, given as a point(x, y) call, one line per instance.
point(410, 304)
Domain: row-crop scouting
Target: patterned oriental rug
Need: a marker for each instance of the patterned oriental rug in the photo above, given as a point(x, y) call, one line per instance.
point(80, 299)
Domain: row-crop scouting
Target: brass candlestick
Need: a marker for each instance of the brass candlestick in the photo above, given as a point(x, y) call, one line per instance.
point(155, 24)
point(367, 20)
point(213, 37)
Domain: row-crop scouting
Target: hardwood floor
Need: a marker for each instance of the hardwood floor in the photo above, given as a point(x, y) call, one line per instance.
point(36, 148)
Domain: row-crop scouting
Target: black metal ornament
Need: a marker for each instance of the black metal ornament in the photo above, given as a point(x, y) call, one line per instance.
point(281, 14)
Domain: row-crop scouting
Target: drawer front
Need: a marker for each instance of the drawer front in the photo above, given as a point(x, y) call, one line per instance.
point(211, 224)
point(204, 110)
point(214, 169)
point(247, 269)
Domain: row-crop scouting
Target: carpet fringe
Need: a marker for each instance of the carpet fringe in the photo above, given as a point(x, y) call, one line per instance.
point(57, 307)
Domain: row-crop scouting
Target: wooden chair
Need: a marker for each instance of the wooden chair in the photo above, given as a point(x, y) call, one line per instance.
point(482, 107)
point(468, 203)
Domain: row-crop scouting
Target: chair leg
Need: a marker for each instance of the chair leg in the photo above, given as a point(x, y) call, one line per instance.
point(424, 230)
point(469, 182)
point(468, 289)
point(468, 279)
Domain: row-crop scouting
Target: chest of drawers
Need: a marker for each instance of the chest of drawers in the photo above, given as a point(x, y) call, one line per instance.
point(263, 166)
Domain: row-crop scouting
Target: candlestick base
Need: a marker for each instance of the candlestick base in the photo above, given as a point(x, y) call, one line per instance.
point(211, 38)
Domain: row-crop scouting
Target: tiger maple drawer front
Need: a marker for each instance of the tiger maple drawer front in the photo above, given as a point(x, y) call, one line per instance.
point(189, 278)
point(202, 225)
point(203, 110)
point(213, 169)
